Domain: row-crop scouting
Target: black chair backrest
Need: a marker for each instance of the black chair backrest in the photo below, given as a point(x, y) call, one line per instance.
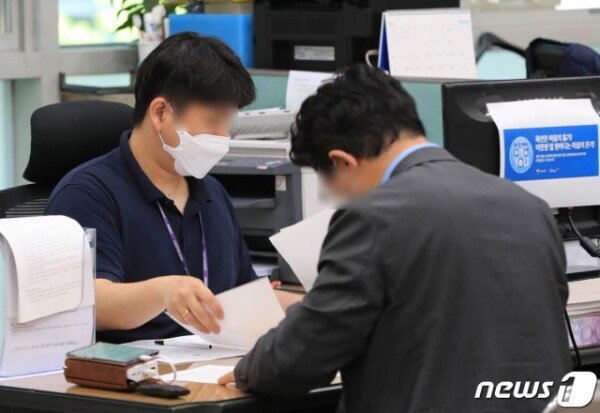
point(63, 136)
point(487, 41)
point(545, 58)
point(549, 58)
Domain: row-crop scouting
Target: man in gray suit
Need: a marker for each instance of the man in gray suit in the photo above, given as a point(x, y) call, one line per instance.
point(434, 278)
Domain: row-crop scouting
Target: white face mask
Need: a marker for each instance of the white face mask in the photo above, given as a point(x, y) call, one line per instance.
point(197, 155)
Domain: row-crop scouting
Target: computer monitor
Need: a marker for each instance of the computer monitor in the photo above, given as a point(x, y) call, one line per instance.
point(471, 135)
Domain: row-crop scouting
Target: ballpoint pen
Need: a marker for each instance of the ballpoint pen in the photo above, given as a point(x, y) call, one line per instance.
point(202, 346)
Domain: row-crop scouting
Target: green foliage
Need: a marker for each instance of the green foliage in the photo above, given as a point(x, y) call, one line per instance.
point(96, 28)
point(130, 8)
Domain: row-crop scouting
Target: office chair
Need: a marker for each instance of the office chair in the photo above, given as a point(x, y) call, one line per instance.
point(487, 41)
point(63, 136)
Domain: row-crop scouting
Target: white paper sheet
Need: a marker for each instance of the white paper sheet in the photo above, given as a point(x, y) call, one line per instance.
point(300, 245)
point(264, 269)
point(29, 376)
point(188, 349)
point(205, 374)
point(550, 148)
point(302, 84)
point(578, 260)
point(48, 258)
point(40, 345)
point(250, 311)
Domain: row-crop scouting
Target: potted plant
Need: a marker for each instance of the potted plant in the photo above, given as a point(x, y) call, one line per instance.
point(148, 16)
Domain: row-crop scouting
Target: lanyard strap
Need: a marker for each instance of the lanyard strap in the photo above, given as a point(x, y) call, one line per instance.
point(180, 251)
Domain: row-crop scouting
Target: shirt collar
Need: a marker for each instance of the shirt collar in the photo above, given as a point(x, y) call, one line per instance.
point(198, 189)
point(400, 157)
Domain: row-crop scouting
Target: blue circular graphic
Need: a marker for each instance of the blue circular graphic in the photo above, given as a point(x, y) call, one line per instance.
point(521, 155)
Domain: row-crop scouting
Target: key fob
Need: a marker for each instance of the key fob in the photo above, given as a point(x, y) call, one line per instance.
point(165, 391)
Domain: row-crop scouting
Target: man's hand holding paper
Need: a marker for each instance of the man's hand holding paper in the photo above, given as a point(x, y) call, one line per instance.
point(249, 312)
point(190, 302)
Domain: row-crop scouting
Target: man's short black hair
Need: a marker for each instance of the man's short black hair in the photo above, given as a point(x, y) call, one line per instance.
point(361, 112)
point(187, 68)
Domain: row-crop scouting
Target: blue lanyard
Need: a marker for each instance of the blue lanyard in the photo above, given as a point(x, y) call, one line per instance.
point(178, 247)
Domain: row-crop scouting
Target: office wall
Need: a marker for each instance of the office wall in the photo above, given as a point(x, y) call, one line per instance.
point(30, 66)
point(521, 26)
point(6, 147)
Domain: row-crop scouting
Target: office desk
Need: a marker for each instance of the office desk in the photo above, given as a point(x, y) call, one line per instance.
point(51, 393)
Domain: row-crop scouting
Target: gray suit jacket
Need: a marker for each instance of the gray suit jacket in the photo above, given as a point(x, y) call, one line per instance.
point(440, 279)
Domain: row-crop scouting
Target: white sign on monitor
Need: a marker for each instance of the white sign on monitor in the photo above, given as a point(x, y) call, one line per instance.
point(550, 148)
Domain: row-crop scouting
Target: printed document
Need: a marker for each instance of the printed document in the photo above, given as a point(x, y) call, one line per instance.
point(302, 84)
point(550, 148)
point(300, 245)
point(40, 345)
point(250, 311)
point(48, 254)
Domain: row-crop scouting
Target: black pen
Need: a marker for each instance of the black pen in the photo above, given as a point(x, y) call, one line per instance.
point(202, 346)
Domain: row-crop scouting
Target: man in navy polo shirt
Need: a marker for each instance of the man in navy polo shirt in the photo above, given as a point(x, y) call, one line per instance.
point(167, 237)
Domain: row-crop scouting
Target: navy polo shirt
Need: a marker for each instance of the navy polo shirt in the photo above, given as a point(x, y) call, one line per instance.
point(113, 195)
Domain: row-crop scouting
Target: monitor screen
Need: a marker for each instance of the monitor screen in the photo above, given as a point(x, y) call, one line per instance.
point(471, 135)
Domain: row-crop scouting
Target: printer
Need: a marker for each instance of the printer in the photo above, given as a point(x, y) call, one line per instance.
point(267, 190)
point(322, 35)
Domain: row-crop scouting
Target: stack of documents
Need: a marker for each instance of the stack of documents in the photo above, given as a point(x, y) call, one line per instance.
point(578, 260)
point(46, 291)
point(188, 349)
point(584, 298)
point(300, 245)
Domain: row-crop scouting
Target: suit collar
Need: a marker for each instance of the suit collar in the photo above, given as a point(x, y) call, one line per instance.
point(425, 155)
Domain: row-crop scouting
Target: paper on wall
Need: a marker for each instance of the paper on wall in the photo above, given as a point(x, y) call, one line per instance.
point(300, 245)
point(48, 260)
point(302, 84)
point(250, 311)
point(550, 148)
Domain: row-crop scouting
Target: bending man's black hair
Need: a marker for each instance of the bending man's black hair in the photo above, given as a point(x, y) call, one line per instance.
point(363, 111)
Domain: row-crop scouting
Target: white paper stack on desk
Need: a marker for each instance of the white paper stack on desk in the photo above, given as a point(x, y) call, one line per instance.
point(188, 349)
point(584, 298)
